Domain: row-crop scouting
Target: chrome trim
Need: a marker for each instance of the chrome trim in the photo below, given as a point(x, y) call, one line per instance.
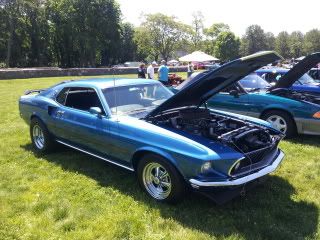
point(95, 155)
point(232, 166)
point(196, 183)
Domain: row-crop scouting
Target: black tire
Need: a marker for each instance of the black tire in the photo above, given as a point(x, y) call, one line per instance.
point(46, 143)
point(177, 183)
point(290, 123)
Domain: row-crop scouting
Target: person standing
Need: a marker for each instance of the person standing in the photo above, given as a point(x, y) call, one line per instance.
point(141, 71)
point(150, 70)
point(190, 69)
point(163, 73)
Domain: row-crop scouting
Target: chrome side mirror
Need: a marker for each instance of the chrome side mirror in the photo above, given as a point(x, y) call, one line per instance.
point(95, 111)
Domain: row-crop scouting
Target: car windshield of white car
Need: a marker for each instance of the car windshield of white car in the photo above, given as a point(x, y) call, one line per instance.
point(129, 100)
point(253, 82)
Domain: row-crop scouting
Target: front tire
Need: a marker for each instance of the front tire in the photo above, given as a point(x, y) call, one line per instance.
point(160, 179)
point(282, 121)
point(42, 140)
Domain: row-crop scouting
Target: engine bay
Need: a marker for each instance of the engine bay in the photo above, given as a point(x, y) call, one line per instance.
point(240, 135)
point(300, 96)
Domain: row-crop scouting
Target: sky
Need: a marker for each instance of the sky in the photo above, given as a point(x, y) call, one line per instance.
point(272, 15)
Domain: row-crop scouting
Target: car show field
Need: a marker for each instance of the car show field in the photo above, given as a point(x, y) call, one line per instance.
point(70, 195)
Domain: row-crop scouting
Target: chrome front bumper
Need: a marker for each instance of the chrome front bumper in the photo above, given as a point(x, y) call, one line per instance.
point(197, 184)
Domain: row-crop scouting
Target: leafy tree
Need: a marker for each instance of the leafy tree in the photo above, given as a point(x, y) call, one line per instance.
point(296, 44)
point(165, 33)
point(312, 41)
point(254, 40)
point(128, 47)
point(197, 30)
point(215, 29)
point(282, 44)
point(211, 35)
point(227, 46)
point(270, 41)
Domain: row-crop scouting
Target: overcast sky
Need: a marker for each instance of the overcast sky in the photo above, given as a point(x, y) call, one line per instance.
point(272, 15)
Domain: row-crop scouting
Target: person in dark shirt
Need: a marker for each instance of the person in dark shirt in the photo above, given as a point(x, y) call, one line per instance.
point(141, 71)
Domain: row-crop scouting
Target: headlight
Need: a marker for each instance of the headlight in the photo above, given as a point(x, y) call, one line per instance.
point(205, 167)
point(316, 115)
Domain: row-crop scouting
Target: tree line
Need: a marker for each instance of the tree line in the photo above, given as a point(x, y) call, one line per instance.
point(81, 33)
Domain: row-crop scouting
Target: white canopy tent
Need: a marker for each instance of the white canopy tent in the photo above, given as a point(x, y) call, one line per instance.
point(197, 56)
point(173, 61)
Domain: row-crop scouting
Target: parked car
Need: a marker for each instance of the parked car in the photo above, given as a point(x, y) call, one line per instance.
point(171, 142)
point(288, 111)
point(296, 78)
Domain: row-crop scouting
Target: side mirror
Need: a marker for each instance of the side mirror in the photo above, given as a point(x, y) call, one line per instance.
point(95, 111)
point(234, 93)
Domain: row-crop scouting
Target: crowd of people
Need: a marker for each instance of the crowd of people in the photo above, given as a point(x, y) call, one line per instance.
point(163, 71)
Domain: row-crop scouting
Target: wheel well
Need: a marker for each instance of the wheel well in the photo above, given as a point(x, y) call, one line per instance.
point(139, 154)
point(136, 158)
point(275, 109)
point(280, 110)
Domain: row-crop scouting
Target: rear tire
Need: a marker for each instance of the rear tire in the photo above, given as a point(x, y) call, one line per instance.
point(42, 141)
point(282, 121)
point(160, 179)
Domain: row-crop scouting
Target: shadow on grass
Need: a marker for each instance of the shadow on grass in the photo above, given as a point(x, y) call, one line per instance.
point(266, 212)
point(306, 140)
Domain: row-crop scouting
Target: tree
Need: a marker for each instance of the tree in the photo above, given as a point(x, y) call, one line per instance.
point(227, 46)
point(282, 44)
point(128, 47)
point(165, 33)
point(270, 41)
point(215, 29)
point(296, 44)
point(312, 41)
point(197, 30)
point(254, 40)
point(145, 46)
point(85, 33)
point(211, 35)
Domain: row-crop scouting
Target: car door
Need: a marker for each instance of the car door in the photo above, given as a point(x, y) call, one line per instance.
point(75, 124)
point(231, 99)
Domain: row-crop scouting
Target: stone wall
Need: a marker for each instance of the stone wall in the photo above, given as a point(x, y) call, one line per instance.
point(17, 73)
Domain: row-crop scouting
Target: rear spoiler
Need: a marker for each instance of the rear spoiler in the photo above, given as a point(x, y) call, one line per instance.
point(33, 91)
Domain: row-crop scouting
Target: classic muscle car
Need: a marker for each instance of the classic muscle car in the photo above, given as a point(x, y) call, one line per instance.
point(296, 78)
point(172, 142)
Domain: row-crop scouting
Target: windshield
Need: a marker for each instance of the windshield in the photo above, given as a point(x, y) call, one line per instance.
point(253, 82)
point(306, 79)
point(129, 100)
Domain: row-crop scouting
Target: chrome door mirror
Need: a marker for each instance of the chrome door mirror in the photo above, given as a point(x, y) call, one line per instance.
point(96, 111)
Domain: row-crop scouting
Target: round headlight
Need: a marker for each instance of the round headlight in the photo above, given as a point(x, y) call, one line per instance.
point(205, 167)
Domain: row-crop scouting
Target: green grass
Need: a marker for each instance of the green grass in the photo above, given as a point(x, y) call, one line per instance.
point(69, 195)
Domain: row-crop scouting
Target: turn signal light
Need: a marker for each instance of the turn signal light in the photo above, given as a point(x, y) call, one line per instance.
point(316, 115)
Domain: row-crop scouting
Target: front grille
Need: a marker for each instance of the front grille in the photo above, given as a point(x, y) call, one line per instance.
point(258, 158)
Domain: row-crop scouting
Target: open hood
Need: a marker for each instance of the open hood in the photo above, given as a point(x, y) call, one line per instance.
point(297, 71)
point(205, 85)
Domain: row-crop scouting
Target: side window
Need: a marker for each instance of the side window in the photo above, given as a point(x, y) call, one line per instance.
point(81, 98)
point(229, 88)
point(62, 96)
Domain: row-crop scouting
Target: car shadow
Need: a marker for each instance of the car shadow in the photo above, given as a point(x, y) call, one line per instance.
point(306, 140)
point(269, 210)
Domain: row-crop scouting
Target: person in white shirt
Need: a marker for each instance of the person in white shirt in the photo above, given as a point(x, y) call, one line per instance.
point(150, 70)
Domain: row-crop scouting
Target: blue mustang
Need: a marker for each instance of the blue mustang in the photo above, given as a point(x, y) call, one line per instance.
point(296, 78)
point(169, 140)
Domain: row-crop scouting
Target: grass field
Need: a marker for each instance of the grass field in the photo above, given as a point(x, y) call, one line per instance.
point(69, 195)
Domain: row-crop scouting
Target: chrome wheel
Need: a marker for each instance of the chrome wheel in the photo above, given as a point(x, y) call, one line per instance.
point(278, 123)
point(38, 137)
point(156, 180)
